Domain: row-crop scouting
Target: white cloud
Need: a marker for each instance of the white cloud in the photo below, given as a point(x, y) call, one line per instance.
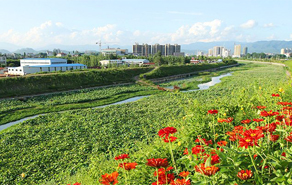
point(199, 31)
point(249, 24)
point(50, 32)
point(269, 25)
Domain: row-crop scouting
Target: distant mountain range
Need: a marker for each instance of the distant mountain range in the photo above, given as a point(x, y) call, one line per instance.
point(259, 46)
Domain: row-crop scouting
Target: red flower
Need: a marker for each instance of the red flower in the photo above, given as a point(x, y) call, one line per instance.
point(255, 156)
point(258, 120)
point(209, 170)
point(246, 121)
point(162, 176)
point(244, 174)
point(280, 118)
point(246, 142)
point(261, 107)
point(274, 137)
point(166, 131)
point(212, 111)
point(128, 166)
point(268, 114)
point(253, 134)
point(284, 103)
point(180, 182)
point(109, 179)
point(76, 183)
point(215, 159)
point(220, 120)
point(170, 139)
point(222, 143)
point(198, 149)
point(122, 156)
point(198, 140)
point(289, 138)
point(157, 163)
point(276, 95)
point(236, 133)
point(283, 154)
point(184, 174)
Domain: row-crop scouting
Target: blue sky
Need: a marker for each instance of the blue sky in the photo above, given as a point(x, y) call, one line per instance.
point(37, 23)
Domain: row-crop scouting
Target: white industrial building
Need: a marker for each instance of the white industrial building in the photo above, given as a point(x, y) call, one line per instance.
point(125, 62)
point(35, 65)
point(114, 51)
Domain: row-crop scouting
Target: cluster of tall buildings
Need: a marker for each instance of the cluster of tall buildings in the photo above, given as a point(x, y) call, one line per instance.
point(166, 49)
point(220, 51)
point(286, 51)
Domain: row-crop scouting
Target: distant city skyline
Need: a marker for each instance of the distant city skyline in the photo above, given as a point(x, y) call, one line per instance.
point(38, 23)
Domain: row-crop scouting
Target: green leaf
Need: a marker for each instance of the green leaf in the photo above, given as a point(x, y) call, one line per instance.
point(208, 162)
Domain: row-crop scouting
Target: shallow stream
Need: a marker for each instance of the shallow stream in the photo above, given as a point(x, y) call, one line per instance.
point(203, 86)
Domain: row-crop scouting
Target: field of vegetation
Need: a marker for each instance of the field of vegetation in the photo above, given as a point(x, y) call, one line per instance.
point(164, 71)
point(15, 109)
point(35, 84)
point(80, 146)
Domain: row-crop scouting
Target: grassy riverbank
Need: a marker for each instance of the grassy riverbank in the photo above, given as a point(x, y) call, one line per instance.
point(15, 109)
point(54, 147)
point(164, 71)
point(42, 83)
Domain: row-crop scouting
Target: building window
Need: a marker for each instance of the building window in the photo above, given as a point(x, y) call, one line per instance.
point(41, 69)
point(55, 69)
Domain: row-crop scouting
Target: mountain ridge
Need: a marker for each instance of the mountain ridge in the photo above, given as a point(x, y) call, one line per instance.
point(273, 46)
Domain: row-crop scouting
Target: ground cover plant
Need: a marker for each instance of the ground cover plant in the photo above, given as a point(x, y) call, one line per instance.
point(243, 138)
point(35, 84)
point(53, 148)
point(15, 109)
point(203, 77)
point(163, 71)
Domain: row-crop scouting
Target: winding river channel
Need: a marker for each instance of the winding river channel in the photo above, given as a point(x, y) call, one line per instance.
point(203, 86)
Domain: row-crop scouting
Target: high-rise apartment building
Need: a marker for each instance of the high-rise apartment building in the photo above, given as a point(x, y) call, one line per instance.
point(225, 52)
point(244, 51)
point(237, 51)
point(166, 50)
point(146, 50)
point(158, 47)
point(137, 49)
point(200, 53)
point(216, 51)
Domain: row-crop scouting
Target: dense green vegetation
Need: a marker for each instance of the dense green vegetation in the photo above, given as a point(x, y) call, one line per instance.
point(16, 86)
point(56, 146)
point(164, 71)
point(288, 63)
point(15, 109)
